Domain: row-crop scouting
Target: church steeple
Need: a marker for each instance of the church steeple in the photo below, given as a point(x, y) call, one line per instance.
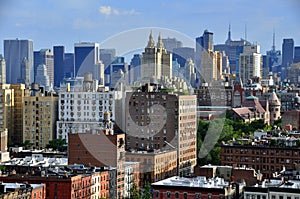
point(229, 34)
point(160, 43)
point(151, 43)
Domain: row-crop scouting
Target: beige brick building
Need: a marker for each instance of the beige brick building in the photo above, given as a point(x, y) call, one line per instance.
point(11, 111)
point(154, 166)
point(40, 116)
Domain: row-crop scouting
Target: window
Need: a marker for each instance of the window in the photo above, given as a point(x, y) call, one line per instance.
point(157, 194)
point(198, 195)
point(176, 195)
point(168, 194)
point(185, 195)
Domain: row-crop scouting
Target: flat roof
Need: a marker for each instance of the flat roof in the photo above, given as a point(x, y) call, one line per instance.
point(197, 182)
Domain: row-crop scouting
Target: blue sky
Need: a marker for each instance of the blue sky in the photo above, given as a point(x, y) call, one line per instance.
point(65, 22)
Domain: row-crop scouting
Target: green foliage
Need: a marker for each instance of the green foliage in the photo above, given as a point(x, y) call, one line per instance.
point(147, 191)
point(58, 144)
point(278, 123)
point(134, 192)
point(231, 129)
point(27, 144)
point(2, 168)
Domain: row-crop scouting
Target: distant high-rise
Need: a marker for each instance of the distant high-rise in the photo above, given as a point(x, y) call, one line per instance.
point(14, 53)
point(232, 49)
point(107, 56)
point(25, 72)
point(250, 63)
point(297, 54)
point(182, 54)
point(69, 65)
point(156, 61)
point(205, 41)
point(2, 70)
point(99, 72)
point(42, 76)
point(86, 56)
point(59, 58)
point(171, 43)
point(118, 70)
point(211, 66)
point(287, 52)
point(44, 57)
point(189, 72)
point(135, 67)
point(271, 60)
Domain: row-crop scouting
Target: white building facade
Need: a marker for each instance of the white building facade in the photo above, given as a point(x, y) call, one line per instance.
point(81, 112)
point(250, 63)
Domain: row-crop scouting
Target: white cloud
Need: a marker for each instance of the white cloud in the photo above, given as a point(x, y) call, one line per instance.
point(108, 10)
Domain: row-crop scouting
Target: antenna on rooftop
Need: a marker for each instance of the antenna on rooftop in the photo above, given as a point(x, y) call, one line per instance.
point(273, 47)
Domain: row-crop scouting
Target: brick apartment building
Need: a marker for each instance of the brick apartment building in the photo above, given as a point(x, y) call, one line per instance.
point(191, 188)
point(102, 150)
point(22, 190)
point(267, 159)
point(154, 166)
point(63, 186)
point(161, 120)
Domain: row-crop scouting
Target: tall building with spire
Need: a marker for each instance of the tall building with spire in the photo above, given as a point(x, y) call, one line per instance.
point(271, 59)
point(228, 41)
point(232, 49)
point(156, 61)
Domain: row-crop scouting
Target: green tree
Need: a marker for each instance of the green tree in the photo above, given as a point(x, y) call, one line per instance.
point(147, 191)
point(2, 168)
point(134, 192)
point(58, 144)
point(27, 144)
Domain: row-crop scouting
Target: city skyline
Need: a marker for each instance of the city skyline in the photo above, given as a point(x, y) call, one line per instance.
point(50, 23)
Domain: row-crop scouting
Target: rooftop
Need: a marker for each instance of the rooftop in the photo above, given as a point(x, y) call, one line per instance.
point(198, 182)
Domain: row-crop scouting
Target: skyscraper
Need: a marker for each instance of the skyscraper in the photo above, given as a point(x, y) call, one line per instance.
point(99, 72)
point(45, 57)
point(107, 57)
point(272, 59)
point(25, 72)
point(156, 61)
point(42, 77)
point(86, 56)
point(135, 67)
point(287, 52)
point(182, 54)
point(2, 70)
point(232, 49)
point(119, 70)
point(297, 54)
point(59, 58)
point(189, 72)
point(205, 41)
point(171, 43)
point(250, 63)
point(14, 53)
point(69, 65)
